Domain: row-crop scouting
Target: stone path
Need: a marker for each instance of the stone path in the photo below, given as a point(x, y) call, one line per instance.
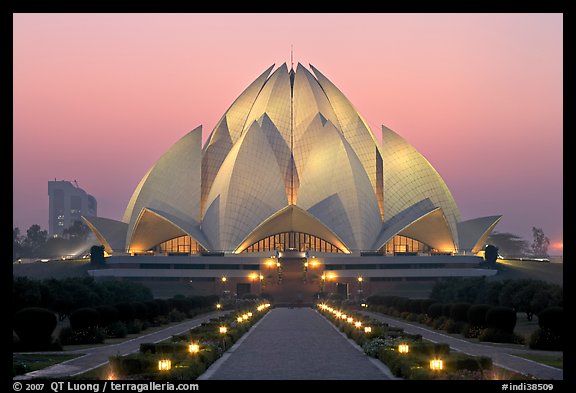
point(98, 356)
point(292, 344)
point(502, 356)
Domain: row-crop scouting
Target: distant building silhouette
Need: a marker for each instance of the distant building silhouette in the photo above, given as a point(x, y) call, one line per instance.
point(67, 203)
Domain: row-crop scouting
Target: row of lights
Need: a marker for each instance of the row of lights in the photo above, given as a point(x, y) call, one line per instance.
point(435, 364)
point(194, 348)
point(344, 317)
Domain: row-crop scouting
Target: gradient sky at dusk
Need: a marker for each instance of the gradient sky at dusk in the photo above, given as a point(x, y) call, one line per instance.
point(100, 97)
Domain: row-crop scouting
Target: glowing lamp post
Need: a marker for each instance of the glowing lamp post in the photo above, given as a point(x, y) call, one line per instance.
point(344, 316)
point(218, 307)
point(403, 348)
point(193, 348)
point(436, 365)
point(367, 329)
point(164, 365)
point(245, 317)
point(239, 319)
point(249, 314)
point(223, 330)
point(358, 324)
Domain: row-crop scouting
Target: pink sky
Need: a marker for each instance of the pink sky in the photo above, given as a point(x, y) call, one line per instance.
point(100, 97)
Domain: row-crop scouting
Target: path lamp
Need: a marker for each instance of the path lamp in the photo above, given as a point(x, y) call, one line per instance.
point(223, 330)
point(223, 280)
point(239, 319)
point(403, 348)
point(193, 348)
point(218, 307)
point(164, 365)
point(358, 324)
point(436, 364)
point(367, 329)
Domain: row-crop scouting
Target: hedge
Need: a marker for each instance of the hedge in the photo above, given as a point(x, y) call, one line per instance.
point(108, 315)
point(501, 318)
point(34, 326)
point(477, 315)
point(435, 310)
point(459, 312)
point(551, 318)
point(126, 311)
point(84, 318)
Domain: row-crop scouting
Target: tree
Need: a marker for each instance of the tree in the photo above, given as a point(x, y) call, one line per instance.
point(508, 244)
point(16, 243)
point(35, 239)
point(540, 244)
point(77, 231)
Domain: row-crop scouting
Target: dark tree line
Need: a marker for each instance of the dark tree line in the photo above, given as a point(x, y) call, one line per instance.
point(36, 243)
point(512, 246)
point(67, 295)
point(528, 296)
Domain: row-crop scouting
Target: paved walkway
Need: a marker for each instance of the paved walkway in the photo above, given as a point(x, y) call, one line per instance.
point(502, 356)
point(295, 344)
point(98, 356)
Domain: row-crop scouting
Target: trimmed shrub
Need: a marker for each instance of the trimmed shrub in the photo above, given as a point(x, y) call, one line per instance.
point(163, 306)
point(430, 349)
point(153, 310)
point(446, 309)
point(372, 347)
point(477, 315)
point(439, 322)
point(84, 318)
point(92, 335)
point(501, 318)
point(116, 330)
point(107, 315)
point(126, 311)
point(133, 364)
point(134, 326)
point(459, 312)
point(549, 335)
point(140, 311)
point(500, 336)
point(466, 362)
point(34, 326)
point(551, 318)
point(176, 316)
point(547, 339)
point(451, 326)
point(435, 310)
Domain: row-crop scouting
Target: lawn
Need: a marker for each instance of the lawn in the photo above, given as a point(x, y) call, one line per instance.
point(549, 360)
point(24, 363)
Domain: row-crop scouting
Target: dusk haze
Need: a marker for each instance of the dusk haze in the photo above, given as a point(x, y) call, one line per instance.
point(361, 197)
point(100, 97)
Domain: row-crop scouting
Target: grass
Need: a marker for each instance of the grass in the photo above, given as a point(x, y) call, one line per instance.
point(33, 362)
point(549, 360)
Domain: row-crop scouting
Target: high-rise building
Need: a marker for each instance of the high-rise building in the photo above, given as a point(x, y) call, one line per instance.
point(67, 203)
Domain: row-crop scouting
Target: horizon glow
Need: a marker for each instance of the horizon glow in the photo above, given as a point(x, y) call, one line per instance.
point(100, 97)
